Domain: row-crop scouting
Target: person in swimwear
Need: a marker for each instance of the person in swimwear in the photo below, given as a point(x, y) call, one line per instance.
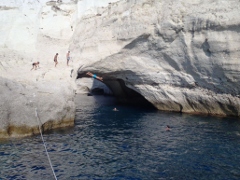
point(94, 76)
point(55, 59)
point(68, 57)
point(35, 65)
point(115, 109)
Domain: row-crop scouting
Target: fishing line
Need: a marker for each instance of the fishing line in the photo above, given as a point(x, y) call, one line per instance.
point(44, 143)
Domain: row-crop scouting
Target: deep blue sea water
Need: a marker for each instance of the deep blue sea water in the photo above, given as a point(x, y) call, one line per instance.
point(130, 144)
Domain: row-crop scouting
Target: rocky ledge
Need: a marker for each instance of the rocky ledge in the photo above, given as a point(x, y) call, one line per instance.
point(24, 108)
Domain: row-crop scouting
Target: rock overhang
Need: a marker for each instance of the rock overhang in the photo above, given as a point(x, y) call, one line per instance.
point(118, 87)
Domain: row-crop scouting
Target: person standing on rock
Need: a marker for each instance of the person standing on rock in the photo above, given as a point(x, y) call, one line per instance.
point(55, 59)
point(68, 57)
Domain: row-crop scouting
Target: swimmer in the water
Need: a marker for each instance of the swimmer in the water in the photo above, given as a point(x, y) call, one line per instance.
point(168, 128)
point(115, 109)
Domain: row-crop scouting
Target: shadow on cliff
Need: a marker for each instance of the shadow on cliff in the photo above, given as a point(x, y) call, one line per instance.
point(120, 91)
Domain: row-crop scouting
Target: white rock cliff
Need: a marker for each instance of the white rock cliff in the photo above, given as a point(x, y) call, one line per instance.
point(31, 31)
point(179, 55)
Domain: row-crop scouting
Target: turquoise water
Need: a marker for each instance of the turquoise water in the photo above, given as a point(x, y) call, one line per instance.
point(131, 143)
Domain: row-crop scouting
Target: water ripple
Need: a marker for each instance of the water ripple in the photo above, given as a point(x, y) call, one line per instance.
point(129, 144)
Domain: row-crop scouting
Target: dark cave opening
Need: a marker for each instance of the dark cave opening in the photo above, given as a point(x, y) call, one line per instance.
point(126, 95)
point(122, 93)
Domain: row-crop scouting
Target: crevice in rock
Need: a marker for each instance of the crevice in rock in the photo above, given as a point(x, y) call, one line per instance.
point(206, 48)
point(97, 91)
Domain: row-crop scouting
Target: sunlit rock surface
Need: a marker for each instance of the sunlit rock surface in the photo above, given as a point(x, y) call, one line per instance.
point(180, 55)
point(25, 107)
point(31, 31)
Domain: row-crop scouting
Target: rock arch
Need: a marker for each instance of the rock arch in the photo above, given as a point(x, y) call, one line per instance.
point(118, 89)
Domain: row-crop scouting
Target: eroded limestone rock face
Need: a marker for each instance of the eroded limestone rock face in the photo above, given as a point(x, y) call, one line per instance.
point(180, 55)
point(34, 31)
point(20, 104)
